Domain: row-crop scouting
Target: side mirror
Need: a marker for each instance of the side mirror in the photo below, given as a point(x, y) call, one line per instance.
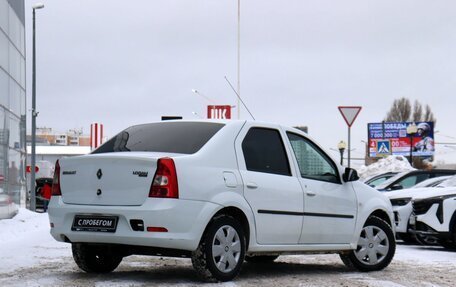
point(396, 187)
point(350, 175)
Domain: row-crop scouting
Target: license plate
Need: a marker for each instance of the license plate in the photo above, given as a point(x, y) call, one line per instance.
point(94, 223)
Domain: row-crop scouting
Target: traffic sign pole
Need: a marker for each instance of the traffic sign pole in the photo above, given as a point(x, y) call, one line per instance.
point(348, 160)
point(349, 113)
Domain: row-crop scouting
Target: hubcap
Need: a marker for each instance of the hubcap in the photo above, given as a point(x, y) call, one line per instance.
point(226, 248)
point(373, 245)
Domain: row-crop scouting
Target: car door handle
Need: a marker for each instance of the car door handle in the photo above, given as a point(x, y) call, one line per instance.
point(310, 193)
point(251, 185)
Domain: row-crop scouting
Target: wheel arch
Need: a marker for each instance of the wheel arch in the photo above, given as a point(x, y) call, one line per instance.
point(382, 214)
point(237, 214)
point(452, 226)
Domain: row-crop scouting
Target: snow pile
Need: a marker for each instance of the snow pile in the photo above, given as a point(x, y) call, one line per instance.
point(25, 241)
point(393, 163)
point(22, 224)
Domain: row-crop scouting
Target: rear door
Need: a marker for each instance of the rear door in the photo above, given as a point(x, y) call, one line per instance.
point(330, 206)
point(270, 183)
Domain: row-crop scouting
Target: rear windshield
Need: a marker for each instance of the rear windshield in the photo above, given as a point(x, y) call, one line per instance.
point(172, 137)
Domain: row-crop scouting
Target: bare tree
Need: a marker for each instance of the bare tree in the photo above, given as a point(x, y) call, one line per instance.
point(400, 111)
point(429, 115)
point(417, 111)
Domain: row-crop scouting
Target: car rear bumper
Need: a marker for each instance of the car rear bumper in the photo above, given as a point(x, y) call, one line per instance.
point(184, 220)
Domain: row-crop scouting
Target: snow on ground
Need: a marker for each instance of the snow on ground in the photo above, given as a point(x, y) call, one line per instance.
point(29, 256)
point(25, 241)
point(392, 163)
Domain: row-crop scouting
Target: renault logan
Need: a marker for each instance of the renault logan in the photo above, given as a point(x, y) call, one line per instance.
point(218, 193)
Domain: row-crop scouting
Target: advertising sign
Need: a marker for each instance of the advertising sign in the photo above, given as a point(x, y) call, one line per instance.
point(392, 138)
point(219, 112)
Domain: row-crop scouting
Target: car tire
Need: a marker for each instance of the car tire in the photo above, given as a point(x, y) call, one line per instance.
point(426, 240)
point(451, 242)
point(451, 245)
point(261, 258)
point(221, 252)
point(95, 258)
point(375, 248)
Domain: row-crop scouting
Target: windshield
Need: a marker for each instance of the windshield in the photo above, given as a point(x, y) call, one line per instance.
point(391, 180)
point(171, 137)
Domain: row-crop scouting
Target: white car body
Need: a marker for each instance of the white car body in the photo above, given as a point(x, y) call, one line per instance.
point(435, 214)
point(281, 214)
point(401, 200)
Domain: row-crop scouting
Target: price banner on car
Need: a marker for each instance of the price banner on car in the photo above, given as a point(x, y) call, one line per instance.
point(392, 138)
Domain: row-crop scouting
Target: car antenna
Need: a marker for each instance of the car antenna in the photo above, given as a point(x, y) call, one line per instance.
point(239, 98)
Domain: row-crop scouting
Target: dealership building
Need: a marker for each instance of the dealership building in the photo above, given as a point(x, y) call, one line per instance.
point(12, 98)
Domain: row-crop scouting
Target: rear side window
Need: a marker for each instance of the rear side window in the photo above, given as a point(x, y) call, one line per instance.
point(172, 137)
point(264, 152)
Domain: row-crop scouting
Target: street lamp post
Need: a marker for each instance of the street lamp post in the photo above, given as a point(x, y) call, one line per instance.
point(341, 146)
point(411, 131)
point(34, 115)
point(239, 60)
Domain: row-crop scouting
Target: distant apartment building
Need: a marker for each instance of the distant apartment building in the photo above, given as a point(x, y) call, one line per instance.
point(12, 98)
point(46, 136)
point(52, 145)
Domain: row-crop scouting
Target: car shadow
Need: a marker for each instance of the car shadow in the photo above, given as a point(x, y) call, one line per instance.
point(185, 274)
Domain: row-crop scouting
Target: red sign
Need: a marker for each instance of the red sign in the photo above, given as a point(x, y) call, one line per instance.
point(96, 135)
point(350, 113)
point(28, 169)
point(219, 112)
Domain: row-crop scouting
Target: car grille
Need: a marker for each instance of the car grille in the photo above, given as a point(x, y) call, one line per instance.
point(422, 206)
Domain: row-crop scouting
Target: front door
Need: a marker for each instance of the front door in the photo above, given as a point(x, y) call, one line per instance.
point(271, 186)
point(329, 204)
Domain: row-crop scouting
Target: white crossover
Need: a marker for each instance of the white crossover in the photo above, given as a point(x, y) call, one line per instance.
point(434, 216)
point(401, 200)
point(218, 192)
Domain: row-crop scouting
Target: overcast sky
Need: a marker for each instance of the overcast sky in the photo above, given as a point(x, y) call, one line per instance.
point(128, 62)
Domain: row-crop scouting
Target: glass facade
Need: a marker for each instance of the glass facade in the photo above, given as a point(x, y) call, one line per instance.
point(12, 99)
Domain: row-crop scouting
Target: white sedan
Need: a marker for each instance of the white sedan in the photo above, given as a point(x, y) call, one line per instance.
point(218, 192)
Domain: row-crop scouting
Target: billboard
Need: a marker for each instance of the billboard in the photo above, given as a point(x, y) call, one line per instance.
point(392, 139)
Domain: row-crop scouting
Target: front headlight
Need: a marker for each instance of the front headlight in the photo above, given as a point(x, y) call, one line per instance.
point(439, 200)
point(400, 201)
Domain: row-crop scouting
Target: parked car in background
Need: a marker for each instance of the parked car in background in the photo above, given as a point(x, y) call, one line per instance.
point(8, 208)
point(432, 182)
point(408, 179)
point(401, 200)
point(434, 216)
point(219, 192)
point(379, 179)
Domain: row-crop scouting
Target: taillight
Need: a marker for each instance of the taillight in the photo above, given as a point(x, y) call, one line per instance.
point(56, 181)
point(164, 183)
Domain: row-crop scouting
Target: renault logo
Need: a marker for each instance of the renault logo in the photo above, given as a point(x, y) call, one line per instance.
point(99, 173)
